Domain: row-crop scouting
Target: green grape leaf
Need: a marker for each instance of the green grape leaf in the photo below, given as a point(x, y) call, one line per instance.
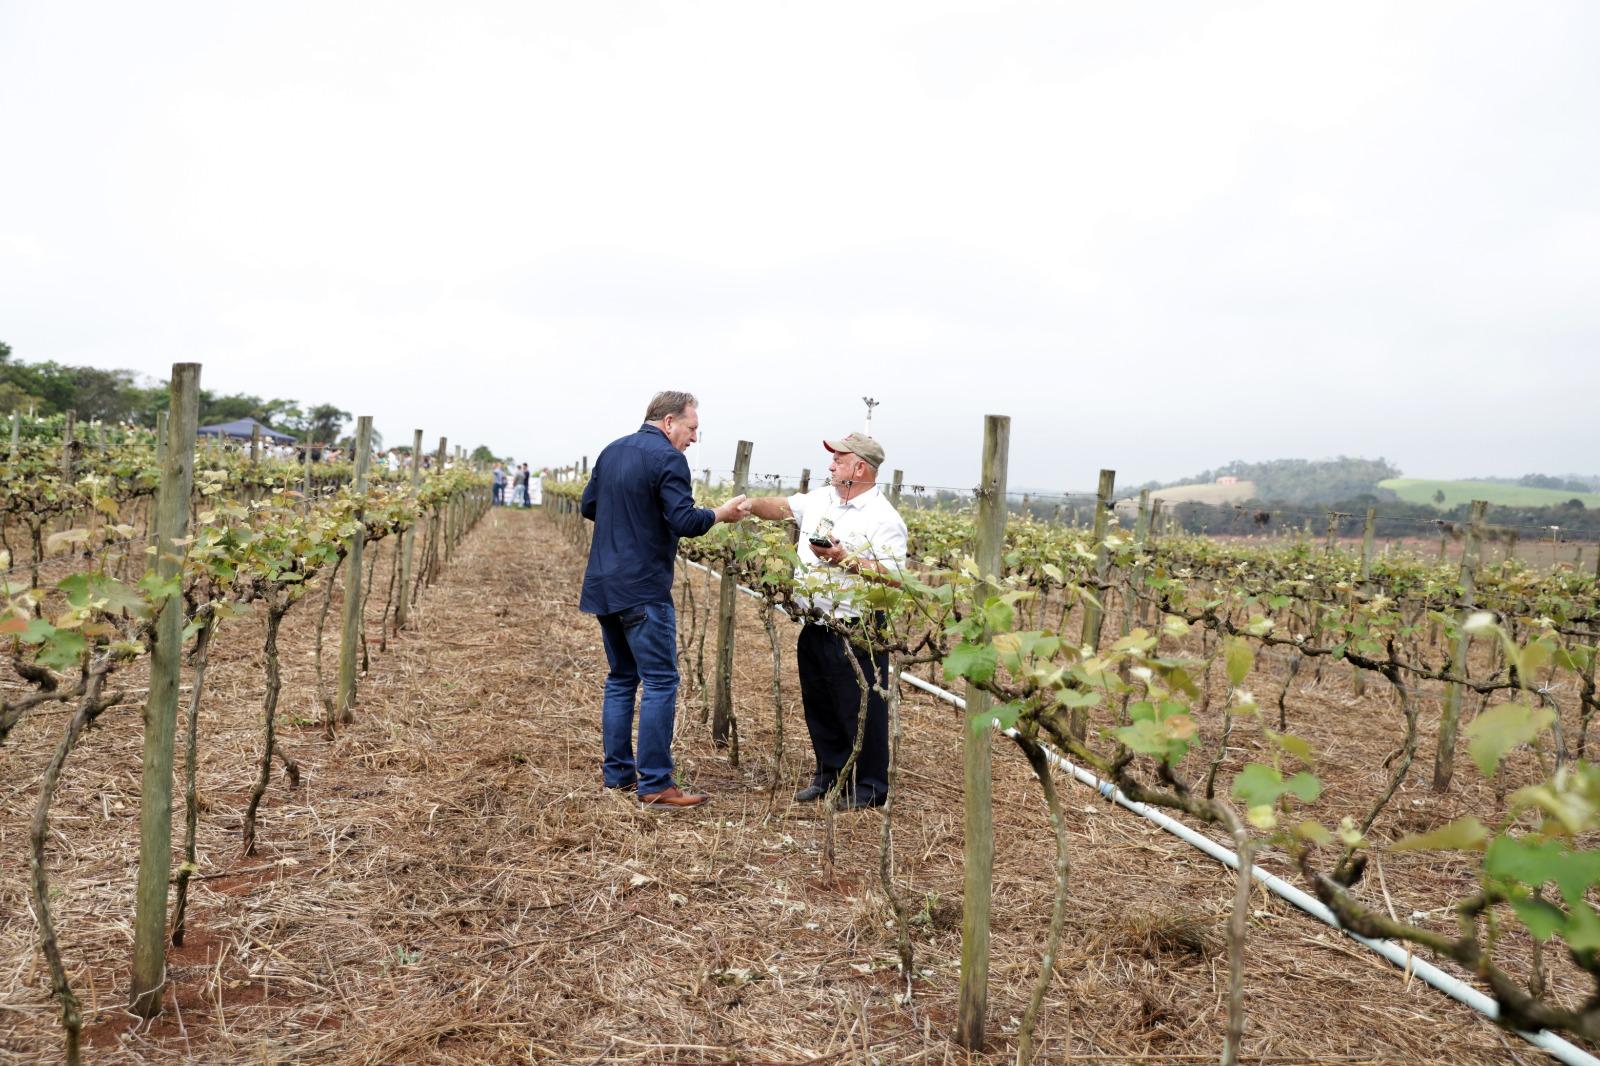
point(1258, 785)
point(973, 661)
point(1313, 831)
point(1583, 927)
point(1533, 862)
point(1002, 717)
point(1293, 745)
point(1463, 834)
point(120, 597)
point(1305, 785)
point(1544, 920)
point(1570, 800)
point(1499, 729)
point(63, 649)
point(37, 631)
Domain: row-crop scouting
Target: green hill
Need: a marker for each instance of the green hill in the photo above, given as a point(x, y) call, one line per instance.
point(1421, 490)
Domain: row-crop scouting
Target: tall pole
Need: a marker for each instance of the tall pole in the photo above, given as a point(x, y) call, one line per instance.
point(978, 864)
point(722, 705)
point(1093, 615)
point(350, 635)
point(161, 706)
point(408, 542)
point(1444, 762)
point(66, 446)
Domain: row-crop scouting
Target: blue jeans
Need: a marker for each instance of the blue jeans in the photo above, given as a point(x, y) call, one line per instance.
point(641, 646)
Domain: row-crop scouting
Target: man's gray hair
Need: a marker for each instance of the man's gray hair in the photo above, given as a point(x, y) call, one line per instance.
point(669, 403)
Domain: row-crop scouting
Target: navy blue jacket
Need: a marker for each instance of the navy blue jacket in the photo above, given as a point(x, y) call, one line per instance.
point(641, 502)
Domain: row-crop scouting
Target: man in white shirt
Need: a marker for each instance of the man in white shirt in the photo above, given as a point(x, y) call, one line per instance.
point(847, 528)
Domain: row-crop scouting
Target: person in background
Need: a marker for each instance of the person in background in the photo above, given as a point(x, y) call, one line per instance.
point(848, 528)
point(641, 502)
point(497, 482)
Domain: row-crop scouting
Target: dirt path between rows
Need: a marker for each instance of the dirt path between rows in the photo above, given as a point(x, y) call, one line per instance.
point(450, 883)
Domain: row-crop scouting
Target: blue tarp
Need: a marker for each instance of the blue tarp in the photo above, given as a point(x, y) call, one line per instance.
point(241, 428)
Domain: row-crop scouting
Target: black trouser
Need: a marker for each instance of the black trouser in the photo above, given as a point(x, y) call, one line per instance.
point(832, 700)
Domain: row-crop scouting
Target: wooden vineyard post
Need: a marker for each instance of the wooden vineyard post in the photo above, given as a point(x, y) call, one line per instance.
point(310, 447)
point(895, 488)
point(408, 541)
point(978, 861)
point(16, 434)
point(1359, 682)
point(436, 522)
point(1444, 763)
point(805, 479)
point(1366, 544)
point(255, 445)
point(66, 446)
point(350, 632)
point(153, 508)
point(1141, 534)
point(1094, 615)
point(722, 706)
point(161, 707)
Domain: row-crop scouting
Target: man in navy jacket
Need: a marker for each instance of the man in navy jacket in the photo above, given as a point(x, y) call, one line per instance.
point(641, 502)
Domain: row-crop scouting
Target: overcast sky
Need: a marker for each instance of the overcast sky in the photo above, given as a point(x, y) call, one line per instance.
point(1158, 236)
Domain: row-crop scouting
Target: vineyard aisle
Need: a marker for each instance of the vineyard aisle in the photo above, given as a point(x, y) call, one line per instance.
point(450, 883)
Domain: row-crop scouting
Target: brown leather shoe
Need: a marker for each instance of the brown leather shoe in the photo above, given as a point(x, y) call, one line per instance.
point(672, 798)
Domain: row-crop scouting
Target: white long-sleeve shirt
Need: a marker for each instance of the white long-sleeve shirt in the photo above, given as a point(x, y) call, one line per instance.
point(867, 526)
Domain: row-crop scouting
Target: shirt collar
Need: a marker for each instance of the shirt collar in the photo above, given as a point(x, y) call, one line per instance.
point(653, 429)
point(860, 500)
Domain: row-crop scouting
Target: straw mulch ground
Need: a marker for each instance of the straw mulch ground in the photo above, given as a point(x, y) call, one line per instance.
point(451, 884)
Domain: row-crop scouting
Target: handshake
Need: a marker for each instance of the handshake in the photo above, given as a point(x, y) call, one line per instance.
point(734, 510)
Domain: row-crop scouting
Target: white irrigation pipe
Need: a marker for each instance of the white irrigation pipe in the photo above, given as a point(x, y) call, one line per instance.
point(1433, 975)
point(1563, 1050)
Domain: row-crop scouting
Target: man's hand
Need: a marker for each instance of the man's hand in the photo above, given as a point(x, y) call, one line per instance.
point(734, 510)
point(833, 555)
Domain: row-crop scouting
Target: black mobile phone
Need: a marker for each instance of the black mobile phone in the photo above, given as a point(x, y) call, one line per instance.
point(820, 542)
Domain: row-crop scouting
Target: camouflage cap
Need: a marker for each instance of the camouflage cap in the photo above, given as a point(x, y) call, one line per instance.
point(858, 444)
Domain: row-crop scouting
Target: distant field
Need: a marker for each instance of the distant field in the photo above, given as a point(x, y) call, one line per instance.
point(1419, 490)
point(1212, 494)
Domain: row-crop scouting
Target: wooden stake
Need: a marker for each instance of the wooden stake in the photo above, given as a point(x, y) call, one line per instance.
point(161, 707)
point(350, 633)
point(978, 861)
point(1445, 758)
point(1094, 616)
point(895, 487)
point(66, 446)
point(722, 707)
point(408, 543)
point(805, 480)
point(1366, 543)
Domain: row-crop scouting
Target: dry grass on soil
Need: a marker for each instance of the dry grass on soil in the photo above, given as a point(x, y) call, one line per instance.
point(451, 884)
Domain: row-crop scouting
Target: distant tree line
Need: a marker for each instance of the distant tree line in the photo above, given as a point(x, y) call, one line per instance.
point(50, 388)
point(1299, 481)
